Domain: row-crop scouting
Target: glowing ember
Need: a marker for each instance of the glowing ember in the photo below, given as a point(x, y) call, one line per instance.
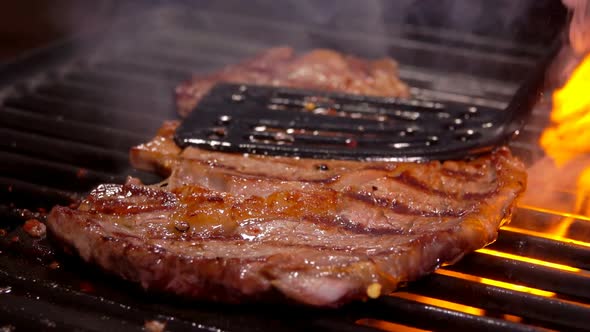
point(497, 283)
point(440, 303)
point(529, 260)
point(387, 326)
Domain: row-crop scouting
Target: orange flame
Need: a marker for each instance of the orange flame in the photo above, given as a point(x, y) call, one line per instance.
point(568, 137)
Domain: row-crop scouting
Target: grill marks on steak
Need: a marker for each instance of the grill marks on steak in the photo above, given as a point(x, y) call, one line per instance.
point(318, 69)
point(232, 228)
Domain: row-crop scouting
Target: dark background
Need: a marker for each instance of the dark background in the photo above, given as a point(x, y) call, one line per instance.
point(29, 24)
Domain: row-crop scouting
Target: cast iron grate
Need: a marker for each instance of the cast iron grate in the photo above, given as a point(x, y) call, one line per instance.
point(70, 127)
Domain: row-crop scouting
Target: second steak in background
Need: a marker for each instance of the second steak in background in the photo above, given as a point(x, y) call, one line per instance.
point(319, 69)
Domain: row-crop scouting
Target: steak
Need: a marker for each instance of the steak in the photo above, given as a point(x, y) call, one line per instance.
point(318, 69)
point(233, 228)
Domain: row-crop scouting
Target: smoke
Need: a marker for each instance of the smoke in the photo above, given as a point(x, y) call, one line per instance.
point(508, 27)
point(436, 35)
point(505, 19)
point(579, 33)
point(445, 23)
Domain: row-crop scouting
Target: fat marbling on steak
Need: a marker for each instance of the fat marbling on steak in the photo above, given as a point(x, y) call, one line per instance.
point(234, 228)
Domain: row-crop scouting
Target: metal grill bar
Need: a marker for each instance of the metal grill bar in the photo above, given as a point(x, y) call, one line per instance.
point(432, 317)
point(127, 119)
point(98, 94)
point(117, 81)
point(58, 175)
point(22, 193)
point(68, 310)
point(570, 283)
point(68, 129)
point(62, 150)
point(503, 300)
point(543, 248)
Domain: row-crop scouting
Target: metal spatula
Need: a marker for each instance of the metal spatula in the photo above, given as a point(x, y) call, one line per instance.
point(312, 124)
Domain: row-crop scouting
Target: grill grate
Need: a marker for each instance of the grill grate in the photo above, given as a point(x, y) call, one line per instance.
point(69, 128)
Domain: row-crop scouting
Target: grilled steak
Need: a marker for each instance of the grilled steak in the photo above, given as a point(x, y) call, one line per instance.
point(235, 228)
point(318, 69)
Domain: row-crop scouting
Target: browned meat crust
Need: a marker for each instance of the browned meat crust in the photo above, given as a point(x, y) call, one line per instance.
point(319, 69)
point(320, 232)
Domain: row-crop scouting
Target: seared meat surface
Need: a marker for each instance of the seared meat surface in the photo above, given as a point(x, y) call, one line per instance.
point(236, 228)
point(318, 69)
